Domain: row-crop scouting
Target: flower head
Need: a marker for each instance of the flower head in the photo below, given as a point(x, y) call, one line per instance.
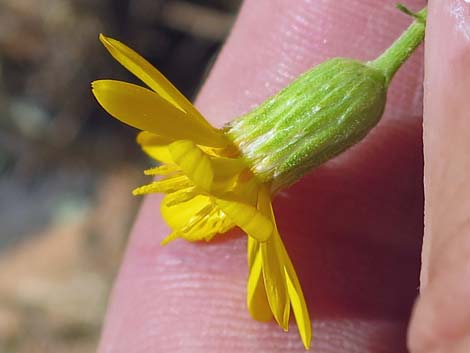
point(209, 187)
point(218, 179)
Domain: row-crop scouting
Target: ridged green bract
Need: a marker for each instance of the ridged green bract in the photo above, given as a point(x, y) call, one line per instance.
point(319, 115)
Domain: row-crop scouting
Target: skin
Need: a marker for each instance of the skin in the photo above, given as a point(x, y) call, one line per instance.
point(353, 227)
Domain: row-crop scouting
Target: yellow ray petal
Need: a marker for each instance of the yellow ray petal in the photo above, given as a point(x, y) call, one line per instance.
point(205, 226)
point(299, 306)
point(146, 110)
point(226, 174)
point(193, 162)
point(252, 248)
point(273, 265)
point(146, 138)
point(275, 281)
point(247, 190)
point(227, 167)
point(257, 301)
point(159, 153)
point(150, 76)
point(195, 219)
point(178, 215)
point(279, 255)
point(248, 218)
point(155, 146)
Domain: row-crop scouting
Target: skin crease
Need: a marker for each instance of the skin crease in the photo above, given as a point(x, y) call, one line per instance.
point(353, 227)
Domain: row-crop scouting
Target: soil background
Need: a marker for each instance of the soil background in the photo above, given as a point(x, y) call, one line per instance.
point(66, 168)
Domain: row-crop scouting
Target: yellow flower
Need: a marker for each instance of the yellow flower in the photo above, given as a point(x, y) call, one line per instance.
point(208, 186)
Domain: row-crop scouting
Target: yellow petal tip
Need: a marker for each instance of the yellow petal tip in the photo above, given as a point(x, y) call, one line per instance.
point(105, 40)
point(169, 238)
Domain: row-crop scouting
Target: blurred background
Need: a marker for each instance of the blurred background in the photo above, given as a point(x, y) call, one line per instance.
point(66, 168)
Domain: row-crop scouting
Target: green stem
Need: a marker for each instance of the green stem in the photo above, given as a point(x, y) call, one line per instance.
point(391, 60)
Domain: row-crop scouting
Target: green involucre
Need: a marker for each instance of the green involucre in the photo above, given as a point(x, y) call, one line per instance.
point(322, 113)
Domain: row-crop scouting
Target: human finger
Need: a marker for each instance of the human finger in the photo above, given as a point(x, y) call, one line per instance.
point(441, 321)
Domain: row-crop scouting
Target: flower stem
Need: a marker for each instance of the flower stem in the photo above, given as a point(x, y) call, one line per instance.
point(391, 60)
